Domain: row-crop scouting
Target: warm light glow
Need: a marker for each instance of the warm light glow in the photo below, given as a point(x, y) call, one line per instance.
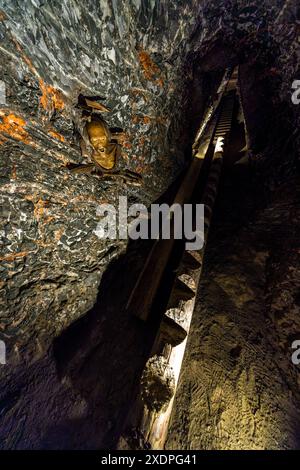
point(219, 145)
point(159, 428)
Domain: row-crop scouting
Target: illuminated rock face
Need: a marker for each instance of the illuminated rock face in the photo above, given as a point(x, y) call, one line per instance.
point(239, 388)
point(157, 384)
point(154, 63)
point(145, 60)
point(131, 54)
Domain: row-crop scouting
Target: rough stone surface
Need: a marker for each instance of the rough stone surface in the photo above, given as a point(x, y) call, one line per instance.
point(239, 388)
point(157, 384)
point(148, 61)
point(171, 332)
point(52, 261)
point(154, 63)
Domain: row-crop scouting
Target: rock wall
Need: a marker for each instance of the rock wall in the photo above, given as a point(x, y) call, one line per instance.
point(239, 388)
point(155, 63)
point(134, 55)
point(148, 61)
point(129, 53)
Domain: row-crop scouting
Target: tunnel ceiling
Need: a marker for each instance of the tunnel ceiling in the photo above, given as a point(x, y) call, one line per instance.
point(155, 64)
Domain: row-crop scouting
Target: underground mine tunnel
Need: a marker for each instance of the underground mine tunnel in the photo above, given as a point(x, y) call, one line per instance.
point(135, 341)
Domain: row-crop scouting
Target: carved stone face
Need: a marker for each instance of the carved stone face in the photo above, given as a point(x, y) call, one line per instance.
point(100, 138)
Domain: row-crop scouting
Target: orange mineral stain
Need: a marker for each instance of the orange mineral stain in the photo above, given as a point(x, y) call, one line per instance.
point(127, 145)
point(13, 126)
point(57, 136)
point(14, 173)
point(58, 233)
point(146, 119)
point(150, 69)
point(39, 208)
point(13, 256)
point(51, 98)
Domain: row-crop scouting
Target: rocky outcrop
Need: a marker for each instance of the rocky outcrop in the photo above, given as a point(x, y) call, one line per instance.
point(157, 384)
point(239, 388)
point(52, 260)
point(148, 62)
point(154, 64)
